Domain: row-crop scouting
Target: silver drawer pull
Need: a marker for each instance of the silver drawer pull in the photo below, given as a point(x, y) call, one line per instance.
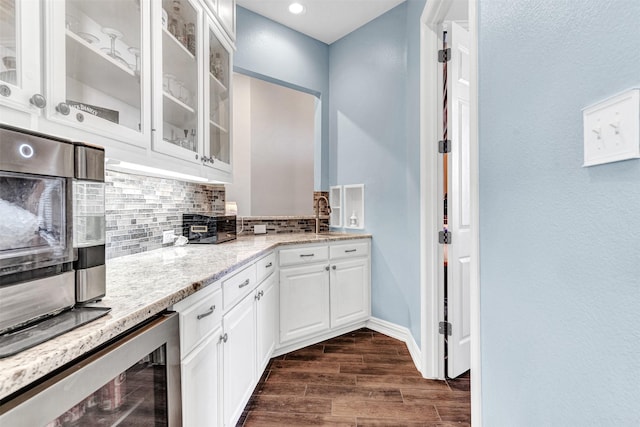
point(350, 250)
point(269, 265)
point(306, 255)
point(208, 313)
point(243, 284)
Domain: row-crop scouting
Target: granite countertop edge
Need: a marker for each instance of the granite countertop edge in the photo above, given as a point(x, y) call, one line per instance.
point(138, 290)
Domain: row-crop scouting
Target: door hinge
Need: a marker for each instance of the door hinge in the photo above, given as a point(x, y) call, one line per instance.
point(444, 146)
point(444, 55)
point(444, 237)
point(444, 328)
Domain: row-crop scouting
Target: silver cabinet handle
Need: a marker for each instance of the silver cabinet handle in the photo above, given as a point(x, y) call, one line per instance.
point(327, 268)
point(5, 90)
point(269, 265)
point(243, 284)
point(38, 100)
point(334, 267)
point(207, 313)
point(306, 255)
point(259, 295)
point(63, 108)
point(350, 250)
point(223, 338)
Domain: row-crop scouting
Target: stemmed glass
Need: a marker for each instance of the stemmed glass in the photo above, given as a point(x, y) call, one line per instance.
point(136, 52)
point(111, 51)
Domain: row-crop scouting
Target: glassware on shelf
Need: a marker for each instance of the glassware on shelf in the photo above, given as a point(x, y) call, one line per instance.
point(191, 38)
point(88, 37)
point(176, 23)
point(136, 52)
point(71, 23)
point(216, 67)
point(111, 51)
point(170, 85)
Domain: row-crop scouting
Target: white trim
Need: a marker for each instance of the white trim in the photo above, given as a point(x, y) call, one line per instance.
point(400, 333)
point(432, 348)
point(474, 141)
point(429, 313)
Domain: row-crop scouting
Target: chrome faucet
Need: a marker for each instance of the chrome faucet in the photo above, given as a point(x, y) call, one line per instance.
point(317, 208)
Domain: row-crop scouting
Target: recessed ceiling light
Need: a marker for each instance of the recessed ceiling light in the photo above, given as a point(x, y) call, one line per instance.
point(296, 8)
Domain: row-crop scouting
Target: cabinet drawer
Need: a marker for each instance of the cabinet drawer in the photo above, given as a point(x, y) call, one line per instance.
point(200, 314)
point(303, 255)
point(265, 267)
point(350, 250)
point(238, 285)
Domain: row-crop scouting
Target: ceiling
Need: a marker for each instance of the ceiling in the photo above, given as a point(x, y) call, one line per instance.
point(324, 20)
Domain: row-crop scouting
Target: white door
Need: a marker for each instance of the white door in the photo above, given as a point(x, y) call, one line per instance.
point(200, 382)
point(266, 321)
point(459, 205)
point(239, 359)
point(304, 301)
point(349, 291)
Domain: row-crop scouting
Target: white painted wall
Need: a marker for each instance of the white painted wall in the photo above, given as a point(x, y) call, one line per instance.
point(273, 149)
point(240, 190)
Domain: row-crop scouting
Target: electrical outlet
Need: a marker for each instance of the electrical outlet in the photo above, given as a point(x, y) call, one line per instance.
point(168, 236)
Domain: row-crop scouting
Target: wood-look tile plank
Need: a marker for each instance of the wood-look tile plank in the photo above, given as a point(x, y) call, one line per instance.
point(388, 358)
point(285, 376)
point(454, 413)
point(354, 393)
point(374, 422)
point(400, 381)
point(280, 389)
point(385, 410)
point(326, 357)
point(290, 404)
point(341, 340)
point(303, 365)
point(379, 369)
point(279, 419)
point(328, 349)
point(455, 397)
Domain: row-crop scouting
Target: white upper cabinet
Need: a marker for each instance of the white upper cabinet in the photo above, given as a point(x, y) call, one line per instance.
point(218, 57)
point(225, 11)
point(20, 85)
point(98, 67)
point(148, 80)
point(177, 117)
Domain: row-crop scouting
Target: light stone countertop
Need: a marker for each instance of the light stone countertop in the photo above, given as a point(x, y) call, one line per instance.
point(140, 286)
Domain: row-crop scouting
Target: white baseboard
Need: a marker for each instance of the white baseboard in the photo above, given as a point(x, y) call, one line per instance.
point(400, 333)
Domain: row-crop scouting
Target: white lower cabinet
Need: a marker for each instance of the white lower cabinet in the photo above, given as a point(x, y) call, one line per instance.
point(323, 288)
point(230, 329)
point(201, 382)
point(239, 358)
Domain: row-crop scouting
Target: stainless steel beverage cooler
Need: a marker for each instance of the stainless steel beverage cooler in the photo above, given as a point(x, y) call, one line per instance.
point(133, 382)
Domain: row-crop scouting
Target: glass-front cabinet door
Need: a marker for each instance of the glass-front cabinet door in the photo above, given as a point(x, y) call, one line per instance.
point(98, 61)
point(20, 86)
point(218, 111)
point(177, 114)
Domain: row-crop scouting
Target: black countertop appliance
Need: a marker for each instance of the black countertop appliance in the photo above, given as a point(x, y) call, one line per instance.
point(199, 228)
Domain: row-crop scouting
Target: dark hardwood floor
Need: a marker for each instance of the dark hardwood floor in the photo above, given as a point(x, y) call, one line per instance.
point(362, 378)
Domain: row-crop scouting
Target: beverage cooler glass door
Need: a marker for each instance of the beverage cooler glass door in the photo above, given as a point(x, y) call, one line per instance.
point(132, 382)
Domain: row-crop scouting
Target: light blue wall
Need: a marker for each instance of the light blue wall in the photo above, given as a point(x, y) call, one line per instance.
point(278, 54)
point(374, 140)
point(559, 244)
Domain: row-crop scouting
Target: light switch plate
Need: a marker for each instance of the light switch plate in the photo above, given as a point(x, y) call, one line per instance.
point(612, 129)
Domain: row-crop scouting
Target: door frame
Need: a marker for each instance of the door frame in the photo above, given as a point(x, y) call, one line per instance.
point(432, 300)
